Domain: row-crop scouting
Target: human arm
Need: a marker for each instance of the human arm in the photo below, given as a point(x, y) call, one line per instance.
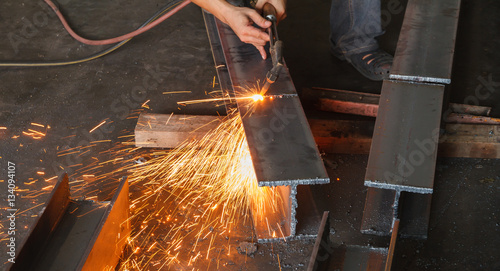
point(241, 20)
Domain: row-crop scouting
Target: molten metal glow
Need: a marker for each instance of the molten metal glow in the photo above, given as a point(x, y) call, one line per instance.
point(257, 97)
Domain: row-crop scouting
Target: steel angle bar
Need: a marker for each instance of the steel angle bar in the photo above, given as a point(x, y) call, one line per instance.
point(77, 234)
point(281, 143)
point(404, 145)
point(426, 42)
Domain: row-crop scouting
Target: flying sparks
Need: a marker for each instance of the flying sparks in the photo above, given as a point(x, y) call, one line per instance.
point(199, 191)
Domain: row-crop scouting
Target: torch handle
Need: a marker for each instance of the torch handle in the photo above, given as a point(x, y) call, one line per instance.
point(269, 12)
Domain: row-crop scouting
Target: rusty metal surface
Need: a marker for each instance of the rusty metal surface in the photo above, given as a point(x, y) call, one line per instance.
point(88, 235)
point(404, 145)
point(280, 140)
point(427, 42)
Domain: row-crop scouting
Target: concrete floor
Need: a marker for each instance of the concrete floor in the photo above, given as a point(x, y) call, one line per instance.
point(175, 56)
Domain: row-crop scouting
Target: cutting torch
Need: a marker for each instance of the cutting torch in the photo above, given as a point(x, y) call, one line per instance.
point(275, 49)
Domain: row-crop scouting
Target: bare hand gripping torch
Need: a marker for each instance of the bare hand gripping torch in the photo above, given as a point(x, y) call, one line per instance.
point(276, 48)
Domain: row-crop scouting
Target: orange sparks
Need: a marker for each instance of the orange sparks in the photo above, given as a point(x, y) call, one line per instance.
point(50, 179)
point(48, 187)
point(99, 125)
point(176, 92)
point(37, 124)
point(145, 104)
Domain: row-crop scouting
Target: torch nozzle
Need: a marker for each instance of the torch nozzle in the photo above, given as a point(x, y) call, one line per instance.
point(265, 88)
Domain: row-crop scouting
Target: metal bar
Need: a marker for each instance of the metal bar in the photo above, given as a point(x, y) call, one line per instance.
point(88, 236)
point(392, 246)
point(320, 240)
point(427, 42)
point(297, 220)
point(45, 223)
point(404, 145)
point(105, 247)
point(281, 143)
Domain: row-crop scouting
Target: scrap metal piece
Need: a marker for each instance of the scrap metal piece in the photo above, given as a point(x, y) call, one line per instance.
point(404, 145)
point(77, 234)
point(318, 255)
point(427, 42)
point(281, 143)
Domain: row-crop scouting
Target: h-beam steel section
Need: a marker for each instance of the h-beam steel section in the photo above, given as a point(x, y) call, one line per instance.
point(426, 42)
point(77, 234)
point(283, 150)
point(401, 165)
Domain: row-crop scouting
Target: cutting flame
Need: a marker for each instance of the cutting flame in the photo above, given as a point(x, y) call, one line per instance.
point(257, 97)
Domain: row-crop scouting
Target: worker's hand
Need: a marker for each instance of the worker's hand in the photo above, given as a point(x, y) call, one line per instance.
point(241, 20)
point(279, 5)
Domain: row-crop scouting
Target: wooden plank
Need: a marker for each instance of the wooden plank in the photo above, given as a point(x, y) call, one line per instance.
point(169, 131)
point(331, 136)
point(314, 94)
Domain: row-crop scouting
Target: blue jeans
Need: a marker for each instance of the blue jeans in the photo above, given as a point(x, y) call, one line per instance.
point(354, 25)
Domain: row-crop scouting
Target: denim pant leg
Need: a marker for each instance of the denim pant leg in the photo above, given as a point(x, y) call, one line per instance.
point(354, 25)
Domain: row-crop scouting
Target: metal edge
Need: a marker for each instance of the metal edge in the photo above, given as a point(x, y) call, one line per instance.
point(321, 236)
point(399, 188)
point(420, 79)
point(106, 246)
point(295, 182)
point(46, 222)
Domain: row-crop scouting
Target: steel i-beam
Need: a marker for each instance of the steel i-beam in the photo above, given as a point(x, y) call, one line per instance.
point(283, 150)
point(402, 161)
